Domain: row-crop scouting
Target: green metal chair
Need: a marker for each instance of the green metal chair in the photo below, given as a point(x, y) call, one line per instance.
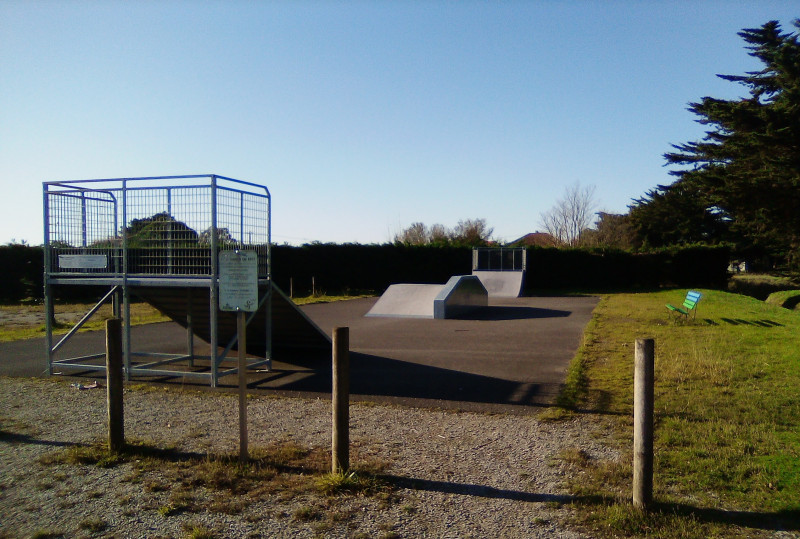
point(689, 306)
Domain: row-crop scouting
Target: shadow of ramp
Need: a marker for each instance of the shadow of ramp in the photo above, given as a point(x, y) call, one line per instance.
point(291, 328)
point(499, 313)
point(376, 376)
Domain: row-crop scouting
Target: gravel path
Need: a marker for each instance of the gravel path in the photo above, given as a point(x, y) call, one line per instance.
point(474, 475)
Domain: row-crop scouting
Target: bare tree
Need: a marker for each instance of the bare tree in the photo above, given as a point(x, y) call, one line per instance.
point(610, 230)
point(472, 232)
point(468, 232)
point(416, 234)
point(439, 234)
point(571, 215)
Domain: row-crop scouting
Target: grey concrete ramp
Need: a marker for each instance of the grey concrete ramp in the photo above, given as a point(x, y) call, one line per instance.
point(407, 301)
point(462, 295)
point(291, 328)
point(501, 284)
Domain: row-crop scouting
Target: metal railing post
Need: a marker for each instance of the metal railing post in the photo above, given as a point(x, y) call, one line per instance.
point(213, 289)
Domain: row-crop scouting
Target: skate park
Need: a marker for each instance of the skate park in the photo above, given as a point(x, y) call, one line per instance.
point(489, 349)
point(511, 357)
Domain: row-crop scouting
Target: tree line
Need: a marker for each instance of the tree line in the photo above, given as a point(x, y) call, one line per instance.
point(739, 186)
point(467, 233)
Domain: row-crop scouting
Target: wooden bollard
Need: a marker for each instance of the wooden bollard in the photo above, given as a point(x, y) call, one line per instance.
point(116, 421)
point(340, 393)
point(643, 423)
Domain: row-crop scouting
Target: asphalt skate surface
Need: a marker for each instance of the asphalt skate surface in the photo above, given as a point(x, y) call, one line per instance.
point(511, 356)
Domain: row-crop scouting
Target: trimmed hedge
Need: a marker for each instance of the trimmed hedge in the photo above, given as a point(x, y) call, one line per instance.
point(581, 269)
point(364, 268)
point(336, 268)
point(22, 270)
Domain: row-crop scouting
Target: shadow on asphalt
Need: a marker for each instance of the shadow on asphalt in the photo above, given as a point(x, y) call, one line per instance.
point(497, 313)
point(378, 376)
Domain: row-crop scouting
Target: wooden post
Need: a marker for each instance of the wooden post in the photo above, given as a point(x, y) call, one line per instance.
point(116, 423)
point(643, 423)
point(241, 328)
point(340, 447)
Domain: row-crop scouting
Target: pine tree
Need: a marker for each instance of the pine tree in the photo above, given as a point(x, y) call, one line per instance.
point(746, 171)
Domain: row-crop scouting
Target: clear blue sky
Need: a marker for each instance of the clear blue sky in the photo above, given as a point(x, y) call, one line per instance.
point(363, 117)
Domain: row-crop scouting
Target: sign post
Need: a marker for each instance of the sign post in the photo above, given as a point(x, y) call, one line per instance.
point(238, 292)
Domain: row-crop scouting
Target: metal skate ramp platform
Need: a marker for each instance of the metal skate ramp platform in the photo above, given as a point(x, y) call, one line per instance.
point(501, 284)
point(462, 294)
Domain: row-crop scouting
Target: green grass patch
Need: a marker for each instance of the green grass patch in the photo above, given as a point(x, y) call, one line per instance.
point(788, 299)
point(27, 321)
point(198, 531)
point(727, 413)
point(46, 534)
point(350, 482)
point(93, 524)
point(760, 285)
point(324, 298)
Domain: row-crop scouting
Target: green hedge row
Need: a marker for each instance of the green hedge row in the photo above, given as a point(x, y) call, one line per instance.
point(335, 268)
point(22, 270)
point(342, 268)
point(575, 269)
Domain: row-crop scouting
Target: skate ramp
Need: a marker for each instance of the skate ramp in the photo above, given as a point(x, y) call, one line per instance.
point(461, 294)
point(501, 284)
point(407, 301)
point(291, 328)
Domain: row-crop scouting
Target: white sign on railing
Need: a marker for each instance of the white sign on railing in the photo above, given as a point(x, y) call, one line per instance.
point(238, 281)
point(82, 261)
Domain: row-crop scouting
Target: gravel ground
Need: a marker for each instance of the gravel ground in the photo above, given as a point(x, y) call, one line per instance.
point(475, 475)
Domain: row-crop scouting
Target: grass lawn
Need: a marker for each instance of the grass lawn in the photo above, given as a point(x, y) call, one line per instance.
point(727, 416)
point(27, 321)
point(324, 298)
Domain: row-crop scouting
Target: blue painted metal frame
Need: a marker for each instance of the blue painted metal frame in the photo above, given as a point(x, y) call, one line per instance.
point(120, 279)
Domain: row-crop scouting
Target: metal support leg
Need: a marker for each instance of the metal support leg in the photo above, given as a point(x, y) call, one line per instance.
point(49, 315)
point(268, 313)
point(126, 331)
point(189, 328)
point(213, 322)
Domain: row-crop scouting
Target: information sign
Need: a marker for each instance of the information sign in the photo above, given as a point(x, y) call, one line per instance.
point(238, 281)
point(82, 261)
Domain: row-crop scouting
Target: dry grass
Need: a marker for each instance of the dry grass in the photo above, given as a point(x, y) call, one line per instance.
point(27, 321)
point(282, 472)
